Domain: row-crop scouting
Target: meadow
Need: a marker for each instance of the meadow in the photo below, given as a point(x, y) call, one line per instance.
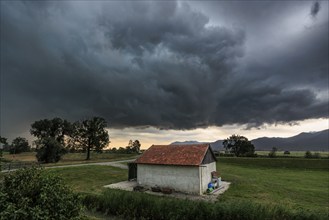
point(272, 188)
point(261, 188)
point(297, 184)
point(90, 179)
point(292, 153)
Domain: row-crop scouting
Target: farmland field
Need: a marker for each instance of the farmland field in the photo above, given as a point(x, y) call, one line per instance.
point(282, 163)
point(297, 184)
point(292, 153)
point(261, 188)
point(90, 179)
point(293, 183)
point(278, 181)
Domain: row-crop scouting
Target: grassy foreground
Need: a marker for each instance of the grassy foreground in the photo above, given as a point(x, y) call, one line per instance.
point(135, 205)
point(90, 179)
point(262, 188)
point(284, 184)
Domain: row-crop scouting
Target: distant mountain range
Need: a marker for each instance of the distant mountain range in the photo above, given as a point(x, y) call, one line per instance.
point(314, 141)
point(317, 141)
point(216, 146)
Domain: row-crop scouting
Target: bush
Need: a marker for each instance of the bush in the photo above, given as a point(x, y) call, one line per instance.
point(226, 155)
point(286, 152)
point(250, 154)
point(33, 193)
point(272, 154)
point(316, 155)
point(49, 151)
point(308, 154)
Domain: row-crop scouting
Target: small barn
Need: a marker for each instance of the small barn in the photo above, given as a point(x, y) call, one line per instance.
point(184, 168)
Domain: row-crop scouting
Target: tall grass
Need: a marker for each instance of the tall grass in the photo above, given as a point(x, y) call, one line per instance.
point(134, 205)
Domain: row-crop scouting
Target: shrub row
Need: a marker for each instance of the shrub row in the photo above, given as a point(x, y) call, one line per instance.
point(135, 205)
point(309, 154)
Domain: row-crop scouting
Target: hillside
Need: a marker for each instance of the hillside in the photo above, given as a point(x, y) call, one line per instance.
point(314, 141)
point(186, 142)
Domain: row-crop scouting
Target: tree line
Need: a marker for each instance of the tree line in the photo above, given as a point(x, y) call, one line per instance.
point(56, 137)
point(133, 147)
point(240, 146)
point(18, 145)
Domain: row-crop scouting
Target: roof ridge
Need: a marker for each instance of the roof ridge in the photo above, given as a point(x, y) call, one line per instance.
point(191, 155)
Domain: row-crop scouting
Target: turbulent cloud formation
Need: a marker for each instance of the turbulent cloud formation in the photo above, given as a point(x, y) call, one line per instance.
point(157, 64)
point(315, 9)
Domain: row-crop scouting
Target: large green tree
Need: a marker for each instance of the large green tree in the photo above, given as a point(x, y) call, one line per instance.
point(55, 128)
point(91, 134)
point(51, 141)
point(239, 145)
point(49, 150)
point(3, 141)
point(136, 145)
point(133, 147)
point(19, 145)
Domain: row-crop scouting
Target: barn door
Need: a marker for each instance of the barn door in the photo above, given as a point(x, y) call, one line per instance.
point(132, 171)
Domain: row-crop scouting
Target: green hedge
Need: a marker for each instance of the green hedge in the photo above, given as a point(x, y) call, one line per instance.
point(135, 205)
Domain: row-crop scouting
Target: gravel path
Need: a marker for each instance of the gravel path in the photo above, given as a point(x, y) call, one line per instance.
point(111, 163)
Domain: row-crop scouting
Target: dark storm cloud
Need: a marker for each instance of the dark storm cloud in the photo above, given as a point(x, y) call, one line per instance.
point(149, 64)
point(315, 9)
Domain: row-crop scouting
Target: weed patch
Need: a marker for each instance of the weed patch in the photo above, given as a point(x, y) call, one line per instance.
point(134, 205)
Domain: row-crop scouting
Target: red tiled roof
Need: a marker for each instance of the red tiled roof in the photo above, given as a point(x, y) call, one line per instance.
point(187, 155)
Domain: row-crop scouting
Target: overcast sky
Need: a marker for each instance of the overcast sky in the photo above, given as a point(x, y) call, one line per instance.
point(165, 71)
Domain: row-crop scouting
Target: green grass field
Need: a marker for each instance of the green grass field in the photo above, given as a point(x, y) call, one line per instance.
point(278, 181)
point(90, 179)
point(292, 153)
point(294, 183)
point(288, 185)
point(281, 163)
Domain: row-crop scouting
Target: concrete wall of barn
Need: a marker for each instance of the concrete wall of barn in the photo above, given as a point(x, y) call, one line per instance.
point(205, 175)
point(181, 178)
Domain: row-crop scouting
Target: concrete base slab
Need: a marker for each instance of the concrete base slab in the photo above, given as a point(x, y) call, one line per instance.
point(124, 185)
point(129, 185)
